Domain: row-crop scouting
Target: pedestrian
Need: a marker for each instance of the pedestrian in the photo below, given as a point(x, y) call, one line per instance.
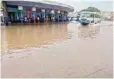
point(38, 19)
point(53, 19)
point(46, 19)
point(25, 19)
point(6, 21)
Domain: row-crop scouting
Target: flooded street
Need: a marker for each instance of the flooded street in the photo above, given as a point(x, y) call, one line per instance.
point(66, 50)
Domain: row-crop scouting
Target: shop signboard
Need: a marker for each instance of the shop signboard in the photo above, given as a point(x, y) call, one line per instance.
point(52, 11)
point(20, 7)
point(9, 9)
point(58, 11)
point(33, 9)
point(43, 10)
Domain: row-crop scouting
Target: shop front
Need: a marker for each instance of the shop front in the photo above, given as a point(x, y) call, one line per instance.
point(33, 12)
point(13, 14)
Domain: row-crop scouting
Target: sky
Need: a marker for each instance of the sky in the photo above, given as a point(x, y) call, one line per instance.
point(104, 5)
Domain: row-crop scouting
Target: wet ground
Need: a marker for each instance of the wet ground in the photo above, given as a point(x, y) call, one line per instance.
point(57, 50)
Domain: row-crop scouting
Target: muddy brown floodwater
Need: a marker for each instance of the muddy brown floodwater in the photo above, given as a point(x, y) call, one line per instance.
point(64, 50)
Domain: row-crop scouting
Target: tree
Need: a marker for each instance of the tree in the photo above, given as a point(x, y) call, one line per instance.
point(91, 9)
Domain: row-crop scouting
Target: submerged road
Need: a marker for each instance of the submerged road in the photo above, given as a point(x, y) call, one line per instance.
point(65, 50)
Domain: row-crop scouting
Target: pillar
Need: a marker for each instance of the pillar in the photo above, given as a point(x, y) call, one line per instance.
point(53, 16)
point(47, 15)
point(21, 13)
point(34, 13)
point(43, 15)
point(5, 14)
point(17, 17)
point(62, 16)
point(65, 16)
point(58, 13)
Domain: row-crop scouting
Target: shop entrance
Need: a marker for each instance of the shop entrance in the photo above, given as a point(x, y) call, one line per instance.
point(11, 16)
point(49, 17)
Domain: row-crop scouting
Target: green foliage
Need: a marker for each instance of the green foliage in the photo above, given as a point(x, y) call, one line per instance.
point(91, 9)
point(97, 16)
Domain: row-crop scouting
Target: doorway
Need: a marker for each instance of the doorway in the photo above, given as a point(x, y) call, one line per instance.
point(12, 17)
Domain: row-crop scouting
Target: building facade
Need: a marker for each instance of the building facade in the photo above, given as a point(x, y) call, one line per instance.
point(108, 15)
point(27, 11)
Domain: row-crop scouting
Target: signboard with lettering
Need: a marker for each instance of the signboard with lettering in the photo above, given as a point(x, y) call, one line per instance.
point(20, 7)
point(9, 9)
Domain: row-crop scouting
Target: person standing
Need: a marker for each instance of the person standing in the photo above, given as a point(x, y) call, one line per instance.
point(53, 19)
point(25, 19)
point(46, 19)
point(6, 21)
point(37, 19)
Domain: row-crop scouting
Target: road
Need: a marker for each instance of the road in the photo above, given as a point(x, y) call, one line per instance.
point(65, 50)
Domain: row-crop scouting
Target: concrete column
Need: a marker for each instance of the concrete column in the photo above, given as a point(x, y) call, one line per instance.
point(58, 13)
point(5, 14)
point(21, 13)
point(43, 15)
point(66, 16)
point(58, 17)
point(53, 16)
point(62, 14)
point(34, 13)
point(46, 15)
point(17, 16)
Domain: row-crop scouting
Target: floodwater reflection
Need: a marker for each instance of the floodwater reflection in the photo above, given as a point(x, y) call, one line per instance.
point(69, 55)
point(88, 31)
point(16, 37)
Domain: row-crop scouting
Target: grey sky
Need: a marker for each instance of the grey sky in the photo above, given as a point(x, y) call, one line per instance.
point(104, 5)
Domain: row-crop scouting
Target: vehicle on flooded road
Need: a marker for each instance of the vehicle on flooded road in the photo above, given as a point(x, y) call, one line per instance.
point(89, 17)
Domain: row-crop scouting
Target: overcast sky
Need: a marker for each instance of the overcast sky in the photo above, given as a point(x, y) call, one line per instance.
point(104, 5)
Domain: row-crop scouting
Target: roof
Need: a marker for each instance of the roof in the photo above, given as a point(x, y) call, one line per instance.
point(41, 4)
point(91, 12)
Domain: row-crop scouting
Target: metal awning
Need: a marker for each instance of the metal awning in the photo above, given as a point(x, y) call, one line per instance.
point(40, 4)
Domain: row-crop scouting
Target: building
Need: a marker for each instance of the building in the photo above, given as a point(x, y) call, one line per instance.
point(16, 11)
point(108, 15)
